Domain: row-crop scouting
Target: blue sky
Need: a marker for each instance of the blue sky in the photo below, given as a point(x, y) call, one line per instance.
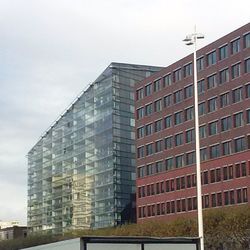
point(51, 49)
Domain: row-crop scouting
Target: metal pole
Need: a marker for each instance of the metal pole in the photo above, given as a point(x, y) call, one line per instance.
point(197, 151)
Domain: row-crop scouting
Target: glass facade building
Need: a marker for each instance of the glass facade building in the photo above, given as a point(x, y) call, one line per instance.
point(81, 173)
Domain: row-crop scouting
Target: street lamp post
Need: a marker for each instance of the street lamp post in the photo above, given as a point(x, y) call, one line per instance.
point(191, 40)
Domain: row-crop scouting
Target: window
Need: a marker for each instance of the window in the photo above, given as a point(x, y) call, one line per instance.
point(140, 152)
point(158, 146)
point(212, 104)
point(202, 109)
point(247, 65)
point(167, 100)
point(149, 129)
point(247, 90)
point(224, 76)
point(167, 80)
point(190, 158)
point(226, 123)
point(148, 109)
point(140, 132)
point(178, 96)
point(178, 118)
point(179, 161)
point(237, 170)
point(188, 69)
point(190, 135)
point(218, 174)
point(238, 119)
point(223, 52)
point(213, 128)
point(239, 196)
point(212, 176)
point(158, 125)
point(177, 75)
point(205, 177)
point(202, 131)
point(237, 95)
point(172, 206)
point(178, 139)
point(140, 113)
point(236, 70)
point(243, 169)
point(189, 204)
point(219, 199)
point(169, 163)
point(168, 121)
point(148, 89)
point(200, 64)
point(157, 85)
point(158, 166)
point(225, 173)
point(188, 91)
point(246, 40)
point(211, 81)
point(235, 46)
point(211, 58)
point(239, 144)
point(214, 151)
point(168, 142)
point(183, 184)
point(230, 172)
point(206, 201)
point(189, 113)
point(213, 200)
point(226, 197)
point(158, 106)
point(201, 86)
point(224, 100)
point(178, 206)
point(139, 94)
point(203, 154)
point(150, 169)
point(178, 183)
point(231, 195)
point(149, 149)
point(248, 116)
point(244, 194)
point(226, 148)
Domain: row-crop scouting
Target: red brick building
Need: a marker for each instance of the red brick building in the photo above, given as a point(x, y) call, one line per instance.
point(166, 180)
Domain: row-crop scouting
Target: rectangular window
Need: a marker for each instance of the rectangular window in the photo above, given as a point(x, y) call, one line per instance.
point(179, 161)
point(190, 158)
point(149, 129)
point(157, 105)
point(224, 76)
point(243, 169)
point(247, 90)
point(202, 131)
point(201, 86)
point(177, 75)
point(189, 184)
point(203, 154)
point(148, 109)
point(246, 39)
point(188, 69)
point(189, 204)
point(211, 81)
point(178, 183)
point(226, 148)
point(218, 175)
point(214, 151)
point(167, 100)
point(213, 128)
point(205, 177)
point(189, 113)
point(206, 201)
point(168, 208)
point(248, 116)
point(158, 166)
point(140, 132)
point(188, 91)
point(169, 163)
point(172, 207)
point(200, 64)
point(238, 120)
point(212, 176)
point(183, 205)
point(157, 85)
point(178, 96)
point(219, 199)
point(212, 104)
point(139, 94)
point(239, 196)
point(140, 152)
point(236, 70)
point(190, 135)
point(167, 80)
point(226, 123)
point(235, 46)
point(183, 184)
point(239, 144)
point(225, 173)
point(178, 118)
point(226, 198)
point(178, 139)
point(211, 58)
point(213, 200)
point(223, 52)
point(158, 146)
point(202, 108)
point(247, 65)
point(150, 169)
point(231, 195)
point(224, 100)
point(149, 149)
point(168, 121)
point(230, 172)
point(244, 194)
point(140, 113)
point(168, 142)
point(158, 125)
point(148, 89)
